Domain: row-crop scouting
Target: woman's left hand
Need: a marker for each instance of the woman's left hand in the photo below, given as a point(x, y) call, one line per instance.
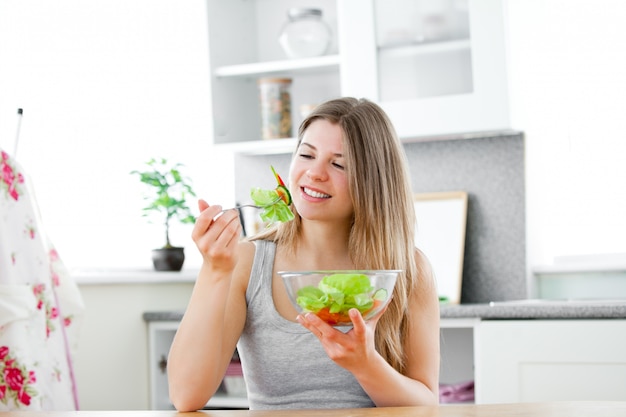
point(348, 350)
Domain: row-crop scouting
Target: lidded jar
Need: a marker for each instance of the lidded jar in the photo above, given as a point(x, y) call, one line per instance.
point(275, 106)
point(305, 34)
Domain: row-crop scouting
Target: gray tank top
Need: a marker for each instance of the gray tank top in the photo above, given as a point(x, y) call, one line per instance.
point(284, 365)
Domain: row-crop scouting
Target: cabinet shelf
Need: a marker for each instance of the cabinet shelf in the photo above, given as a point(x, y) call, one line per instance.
point(261, 147)
point(288, 145)
point(290, 66)
point(416, 49)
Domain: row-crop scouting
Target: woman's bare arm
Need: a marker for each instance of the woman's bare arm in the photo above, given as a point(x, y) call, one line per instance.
point(420, 386)
point(215, 316)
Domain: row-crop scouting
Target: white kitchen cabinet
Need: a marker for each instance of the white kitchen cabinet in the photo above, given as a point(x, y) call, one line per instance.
point(436, 66)
point(550, 360)
point(160, 336)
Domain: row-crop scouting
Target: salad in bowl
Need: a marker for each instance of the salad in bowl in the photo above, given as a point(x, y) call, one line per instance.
point(331, 294)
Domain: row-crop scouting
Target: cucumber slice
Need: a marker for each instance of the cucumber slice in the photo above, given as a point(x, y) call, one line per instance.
point(284, 194)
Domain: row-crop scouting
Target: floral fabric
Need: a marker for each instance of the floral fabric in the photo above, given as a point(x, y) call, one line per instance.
point(40, 306)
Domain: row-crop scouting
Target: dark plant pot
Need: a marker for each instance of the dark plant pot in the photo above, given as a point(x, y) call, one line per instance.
point(168, 259)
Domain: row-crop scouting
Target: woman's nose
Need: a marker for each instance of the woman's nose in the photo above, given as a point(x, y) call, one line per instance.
point(317, 172)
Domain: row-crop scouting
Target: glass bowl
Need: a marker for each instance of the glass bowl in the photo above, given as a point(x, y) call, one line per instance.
point(331, 294)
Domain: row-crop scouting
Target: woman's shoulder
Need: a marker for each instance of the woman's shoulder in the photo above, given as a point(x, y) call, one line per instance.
point(247, 251)
point(251, 245)
point(252, 254)
point(246, 246)
point(421, 258)
point(245, 259)
point(425, 273)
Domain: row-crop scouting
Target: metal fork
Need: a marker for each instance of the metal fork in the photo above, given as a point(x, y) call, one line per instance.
point(253, 205)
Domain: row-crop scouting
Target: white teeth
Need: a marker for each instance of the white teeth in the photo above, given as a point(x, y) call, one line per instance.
point(315, 194)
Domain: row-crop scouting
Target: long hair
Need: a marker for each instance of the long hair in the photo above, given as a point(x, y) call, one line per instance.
point(382, 232)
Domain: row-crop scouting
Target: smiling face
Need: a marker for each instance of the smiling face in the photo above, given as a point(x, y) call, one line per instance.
point(318, 177)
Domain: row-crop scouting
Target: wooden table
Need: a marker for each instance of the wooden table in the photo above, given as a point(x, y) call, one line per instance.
point(548, 409)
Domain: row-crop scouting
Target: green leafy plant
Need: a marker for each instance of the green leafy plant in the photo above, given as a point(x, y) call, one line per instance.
point(167, 195)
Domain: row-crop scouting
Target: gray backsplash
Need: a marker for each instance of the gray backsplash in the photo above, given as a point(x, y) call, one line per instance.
point(490, 170)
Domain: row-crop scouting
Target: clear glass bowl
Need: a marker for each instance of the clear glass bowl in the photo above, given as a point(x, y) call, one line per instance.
point(331, 294)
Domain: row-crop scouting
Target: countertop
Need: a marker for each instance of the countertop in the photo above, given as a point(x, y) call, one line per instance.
point(518, 309)
point(549, 409)
point(131, 276)
point(538, 309)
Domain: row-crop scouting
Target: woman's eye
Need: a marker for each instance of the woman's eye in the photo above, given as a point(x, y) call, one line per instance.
point(337, 165)
point(306, 156)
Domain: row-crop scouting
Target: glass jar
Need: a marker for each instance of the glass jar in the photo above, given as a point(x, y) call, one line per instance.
point(305, 34)
point(275, 106)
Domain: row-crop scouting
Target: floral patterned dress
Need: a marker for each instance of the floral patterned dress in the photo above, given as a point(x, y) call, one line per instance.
point(40, 306)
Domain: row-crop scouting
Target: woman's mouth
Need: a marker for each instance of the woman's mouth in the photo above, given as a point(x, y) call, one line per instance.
point(313, 193)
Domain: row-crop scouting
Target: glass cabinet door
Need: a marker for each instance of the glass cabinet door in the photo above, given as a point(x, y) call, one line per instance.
point(438, 67)
point(423, 47)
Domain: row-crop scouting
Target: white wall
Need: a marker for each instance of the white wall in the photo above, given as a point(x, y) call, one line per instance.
point(568, 87)
point(105, 86)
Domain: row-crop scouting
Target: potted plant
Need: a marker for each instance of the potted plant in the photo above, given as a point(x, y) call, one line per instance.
point(167, 195)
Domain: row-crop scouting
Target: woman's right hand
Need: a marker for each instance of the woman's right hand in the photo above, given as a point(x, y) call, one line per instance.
point(217, 234)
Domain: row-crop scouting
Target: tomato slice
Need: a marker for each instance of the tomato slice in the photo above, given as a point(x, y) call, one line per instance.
point(332, 318)
point(343, 318)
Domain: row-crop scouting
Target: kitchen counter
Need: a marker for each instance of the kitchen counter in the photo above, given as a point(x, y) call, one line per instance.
point(130, 276)
point(548, 409)
point(538, 309)
point(518, 309)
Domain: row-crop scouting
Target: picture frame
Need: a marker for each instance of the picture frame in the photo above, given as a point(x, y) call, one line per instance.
point(440, 229)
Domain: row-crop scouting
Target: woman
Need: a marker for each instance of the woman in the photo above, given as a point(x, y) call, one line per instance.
point(354, 210)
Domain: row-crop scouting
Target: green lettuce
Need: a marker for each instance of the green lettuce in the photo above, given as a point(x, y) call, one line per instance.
point(339, 293)
point(273, 211)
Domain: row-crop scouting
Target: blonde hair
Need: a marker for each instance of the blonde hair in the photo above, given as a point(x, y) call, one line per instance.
point(382, 233)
